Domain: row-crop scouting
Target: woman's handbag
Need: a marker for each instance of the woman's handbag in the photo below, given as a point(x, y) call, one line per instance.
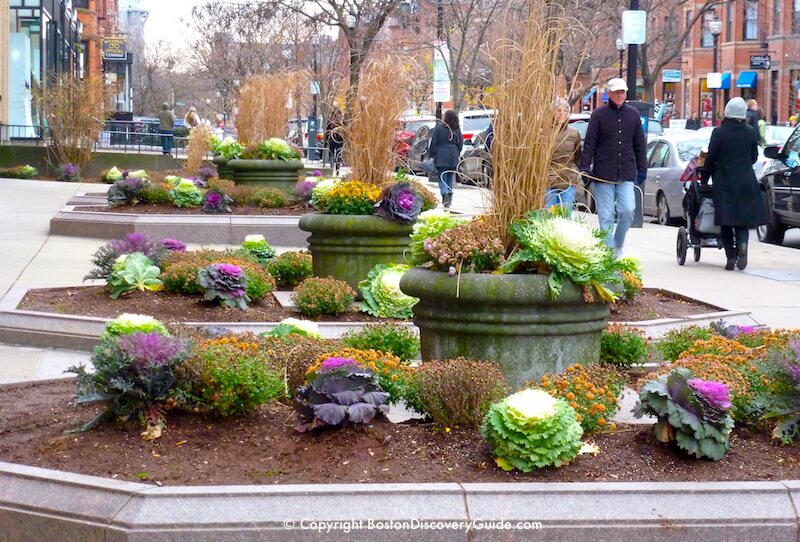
point(428, 166)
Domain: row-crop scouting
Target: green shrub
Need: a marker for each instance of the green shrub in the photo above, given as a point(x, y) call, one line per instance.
point(677, 341)
point(622, 347)
point(294, 354)
point(456, 392)
point(268, 198)
point(291, 268)
point(385, 337)
point(180, 272)
point(232, 375)
point(156, 193)
point(316, 295)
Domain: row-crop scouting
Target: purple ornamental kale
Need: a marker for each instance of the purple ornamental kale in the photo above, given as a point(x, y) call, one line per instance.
point(230, 269)
point(215, 201)
point(316, 173)
point(715, 393)
point(149, 350)
point(333, 363)
point(138, 242)
point(303, 189)
point(793, 366)
point(207, 172)
point(199, 182)
point(173, 245)
point(225, 282)
point(399, 202)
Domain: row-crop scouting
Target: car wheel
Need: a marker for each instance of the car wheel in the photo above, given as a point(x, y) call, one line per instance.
point(662, 210)
point(773, 231)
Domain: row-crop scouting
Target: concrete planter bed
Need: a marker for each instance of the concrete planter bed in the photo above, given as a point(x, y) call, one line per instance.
point(280, 174)
point(56, 330)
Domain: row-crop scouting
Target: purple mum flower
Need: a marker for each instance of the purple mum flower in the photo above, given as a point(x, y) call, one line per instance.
point(716, 393)
point(333, 363)
point(229, 269)
point(174, 245)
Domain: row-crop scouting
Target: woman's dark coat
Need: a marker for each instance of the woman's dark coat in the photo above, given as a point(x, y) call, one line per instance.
point(737, 196)
point(445, 146)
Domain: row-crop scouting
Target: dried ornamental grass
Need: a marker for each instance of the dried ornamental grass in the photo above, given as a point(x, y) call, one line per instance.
point(262, 108)
point(525, 131)
point(370, 131)
point(199, 147)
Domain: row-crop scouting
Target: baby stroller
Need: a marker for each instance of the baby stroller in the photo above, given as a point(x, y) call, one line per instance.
point(698, 210)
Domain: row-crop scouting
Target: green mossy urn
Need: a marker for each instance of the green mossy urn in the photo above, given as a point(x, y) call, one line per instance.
point(347, 247)
point(279, 174)
point(509, 319)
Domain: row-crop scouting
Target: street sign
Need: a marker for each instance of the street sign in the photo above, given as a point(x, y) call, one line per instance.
point(441, 73)
point(714, 80)
point(670, 76)
point(760, 62)
point(114, 49)
point(634, 27)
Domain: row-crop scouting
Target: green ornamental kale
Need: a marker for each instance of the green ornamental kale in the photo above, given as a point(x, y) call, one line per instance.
point(691, 412)
point(340, 391)
point(382, 295)
point(258, 247)
point(531, 430)
point(186, 194)
point(277, 149)
point(570, 248)
point(134, 272)
point(127, 323)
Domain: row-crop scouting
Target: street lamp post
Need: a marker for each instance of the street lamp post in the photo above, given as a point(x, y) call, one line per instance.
point(621, 49)
point(439, 36)
point(312, 122)
point(715, 27)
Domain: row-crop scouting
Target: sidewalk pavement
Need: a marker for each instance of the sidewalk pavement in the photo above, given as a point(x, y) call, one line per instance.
point(769, 287)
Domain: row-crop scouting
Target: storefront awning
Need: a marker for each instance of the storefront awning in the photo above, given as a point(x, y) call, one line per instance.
point(747, 80)
point(604, 97)
point(726, 81)
point(589, 94)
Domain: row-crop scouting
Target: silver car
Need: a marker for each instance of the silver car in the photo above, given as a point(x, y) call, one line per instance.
point(667, 157)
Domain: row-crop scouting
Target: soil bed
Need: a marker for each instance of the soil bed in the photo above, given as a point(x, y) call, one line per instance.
point(169, 209)
point(94, 301)
point(263, 448)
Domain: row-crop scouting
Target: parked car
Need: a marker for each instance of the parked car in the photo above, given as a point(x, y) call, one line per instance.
point(412, 139)
point(475, 165)
point(473, 122)
point(780, 181)
point(298, 132)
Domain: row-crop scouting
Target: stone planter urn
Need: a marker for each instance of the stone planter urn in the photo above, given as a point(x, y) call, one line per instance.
point(222, 167)
point(347, 247)
point(508, 319)
point(280, 174)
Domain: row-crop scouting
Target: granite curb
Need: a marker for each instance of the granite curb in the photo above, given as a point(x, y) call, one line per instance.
point(54, 330)
point(43, 504)
point(71, 221)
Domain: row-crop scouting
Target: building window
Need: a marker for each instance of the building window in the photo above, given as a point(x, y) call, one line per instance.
point(730, 30)
point(750, 20)
point(687, 43)
point(776, 16)
point(707, 38)
point(796, 17)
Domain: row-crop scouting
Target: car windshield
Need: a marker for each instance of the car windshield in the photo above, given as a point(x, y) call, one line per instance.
point(414, 125)
point(777, 135)
point(689, 148)
point(475, 124)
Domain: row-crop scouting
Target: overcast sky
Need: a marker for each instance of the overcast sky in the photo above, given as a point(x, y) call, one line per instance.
point(164, 20)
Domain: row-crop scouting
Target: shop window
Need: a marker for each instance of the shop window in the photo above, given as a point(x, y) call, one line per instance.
point(796, 17)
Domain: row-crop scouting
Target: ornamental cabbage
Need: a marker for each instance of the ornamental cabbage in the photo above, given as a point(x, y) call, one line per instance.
point(428, 225)
point(137, 174)
point(530, 430)
point(295, 326)
point(227, 148)
point(113, 174)
point(400, 203)
point(382, 295)
point(216, 201)
point(127, 323)
point(277, 149)
point(693, 413)
point(186, 194)
point(569, 248)
point(226, 282)
point(134, 272)
point(258, 247)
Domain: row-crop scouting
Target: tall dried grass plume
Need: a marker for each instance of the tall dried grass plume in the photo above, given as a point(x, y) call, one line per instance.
point(526, 85)
point(380, 99)
point(199, 147)
point(262, 108)
point(75, 112)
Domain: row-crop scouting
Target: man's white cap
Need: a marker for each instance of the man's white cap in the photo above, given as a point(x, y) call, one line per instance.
point(617, 84)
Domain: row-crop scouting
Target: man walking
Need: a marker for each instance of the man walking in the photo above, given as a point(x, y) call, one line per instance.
point(613, 159)
point(166, 126)
point(753, 115)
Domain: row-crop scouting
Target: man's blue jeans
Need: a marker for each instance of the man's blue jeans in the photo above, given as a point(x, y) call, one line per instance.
point(563, 197)
point(611, 197)
point(166, 141)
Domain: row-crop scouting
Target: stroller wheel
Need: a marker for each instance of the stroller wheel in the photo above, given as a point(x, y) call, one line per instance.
point(697, 254)
point(682, 245)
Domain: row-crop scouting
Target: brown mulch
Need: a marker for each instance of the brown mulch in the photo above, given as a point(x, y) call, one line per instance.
point(165, 306)
point(263, 448)
point(94, 301)
point(169, 209)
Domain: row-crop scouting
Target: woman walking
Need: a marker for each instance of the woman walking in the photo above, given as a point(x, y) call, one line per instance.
point(564, 164)
point(445, 149)
point(738, 204)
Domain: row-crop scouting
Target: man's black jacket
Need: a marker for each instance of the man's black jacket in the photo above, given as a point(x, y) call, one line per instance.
point(615, 143)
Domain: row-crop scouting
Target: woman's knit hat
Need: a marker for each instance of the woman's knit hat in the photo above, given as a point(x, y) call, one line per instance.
point(736, 108)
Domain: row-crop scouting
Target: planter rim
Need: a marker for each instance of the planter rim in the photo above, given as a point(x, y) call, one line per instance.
point(369, 225)
point(259, 165)
point(488, 288)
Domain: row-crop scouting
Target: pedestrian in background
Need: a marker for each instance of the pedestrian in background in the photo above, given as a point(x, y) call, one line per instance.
point(192, 119)
point(613, 159)
point(738, 204)
point(752, 116)
point(563, 175)
point(166, 127)
point(334, 140)
point(445, 149)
